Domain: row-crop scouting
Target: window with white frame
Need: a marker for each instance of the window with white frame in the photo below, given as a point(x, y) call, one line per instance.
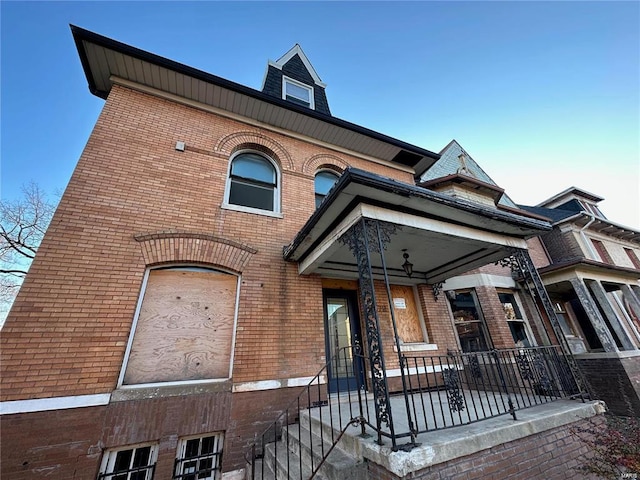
point(468, 321)
point(297, 92)
point(199, 458)
point(324, 181)
point(253, 183)
point(516, 321)
point(563, 318)
point(135, 462)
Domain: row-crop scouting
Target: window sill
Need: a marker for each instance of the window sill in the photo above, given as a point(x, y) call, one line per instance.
point(416, 347)
point(256, 211)
point(170, 389)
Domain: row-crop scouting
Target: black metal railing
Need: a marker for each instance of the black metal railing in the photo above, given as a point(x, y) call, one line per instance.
point(442, 391)
point(145, 472)
point(462, 388)
point(291, 447)
point(198, 467)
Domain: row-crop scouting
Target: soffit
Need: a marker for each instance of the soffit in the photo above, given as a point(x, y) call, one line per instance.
point(443, 235)
point(601, 225)
point(104, 58)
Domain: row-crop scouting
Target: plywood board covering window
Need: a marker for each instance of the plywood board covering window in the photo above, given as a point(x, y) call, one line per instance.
point(185, 327)
point(406, 313)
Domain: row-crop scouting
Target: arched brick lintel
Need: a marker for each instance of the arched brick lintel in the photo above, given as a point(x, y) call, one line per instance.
point(230, 143)
point(313, 164)
point(186, 247)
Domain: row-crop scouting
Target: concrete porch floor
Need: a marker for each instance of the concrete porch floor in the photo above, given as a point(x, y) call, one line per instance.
point(439, 446)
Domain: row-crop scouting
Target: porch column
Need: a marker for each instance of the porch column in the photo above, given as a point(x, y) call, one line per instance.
point(632, 296)
point(362, 239)
point(600, 327)
point(602, 299)
point(526, 267)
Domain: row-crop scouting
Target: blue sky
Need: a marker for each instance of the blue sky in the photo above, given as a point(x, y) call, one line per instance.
point(544, 95)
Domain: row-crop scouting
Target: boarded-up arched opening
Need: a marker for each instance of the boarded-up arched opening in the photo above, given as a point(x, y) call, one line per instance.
point(184, 329)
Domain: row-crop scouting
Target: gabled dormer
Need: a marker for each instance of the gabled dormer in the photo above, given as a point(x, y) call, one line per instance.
point(293, 78)
point(574, 199)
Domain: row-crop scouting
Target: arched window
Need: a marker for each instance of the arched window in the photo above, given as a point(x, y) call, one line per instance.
point(253, 182)
point(323, 183)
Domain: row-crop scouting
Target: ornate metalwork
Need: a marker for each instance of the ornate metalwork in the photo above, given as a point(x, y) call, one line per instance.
point(363, 238)
point(452, 385)
point(474, 366)
point(512, 263)
point(543, 385)
point(520, 261)
point(369, 234)
point(524, 367)
point(437, 289)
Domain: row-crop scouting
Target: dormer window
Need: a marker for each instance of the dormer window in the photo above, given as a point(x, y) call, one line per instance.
point(297, 92)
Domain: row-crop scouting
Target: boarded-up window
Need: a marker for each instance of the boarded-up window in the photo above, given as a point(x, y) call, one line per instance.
point(185, 327)
point(406, 313)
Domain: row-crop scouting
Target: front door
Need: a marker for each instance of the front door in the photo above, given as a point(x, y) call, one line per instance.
point(342, 330)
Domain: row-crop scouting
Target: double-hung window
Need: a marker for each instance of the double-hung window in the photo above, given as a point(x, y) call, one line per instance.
point(253, 183)
point(199, 458)
point(323, 182)
point(129, 463)
point(468, 321)
point(297, 92)
point(517, 323)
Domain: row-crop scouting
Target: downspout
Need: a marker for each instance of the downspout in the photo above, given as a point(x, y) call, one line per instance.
point(584, 237)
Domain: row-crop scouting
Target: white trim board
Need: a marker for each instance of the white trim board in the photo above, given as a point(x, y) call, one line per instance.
point(53, 403)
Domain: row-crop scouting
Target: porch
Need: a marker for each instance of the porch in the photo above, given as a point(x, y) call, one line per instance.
point(454, 406)
point(395, 398)
point(436, 448)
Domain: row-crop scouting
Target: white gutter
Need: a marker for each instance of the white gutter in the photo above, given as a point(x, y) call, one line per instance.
point(589, 245)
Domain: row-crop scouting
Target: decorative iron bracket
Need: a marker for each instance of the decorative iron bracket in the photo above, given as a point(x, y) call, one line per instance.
point(437, 290)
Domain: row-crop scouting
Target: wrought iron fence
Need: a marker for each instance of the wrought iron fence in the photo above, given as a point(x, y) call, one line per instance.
point(462, 388)
point(440, 391)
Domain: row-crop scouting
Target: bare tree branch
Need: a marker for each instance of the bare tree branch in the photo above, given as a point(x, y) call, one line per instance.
point(23, 224)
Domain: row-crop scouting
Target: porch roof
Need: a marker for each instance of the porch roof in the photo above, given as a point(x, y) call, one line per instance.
point(444, 236)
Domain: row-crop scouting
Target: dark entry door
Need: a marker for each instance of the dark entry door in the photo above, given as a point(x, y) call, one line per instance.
point(342, 329)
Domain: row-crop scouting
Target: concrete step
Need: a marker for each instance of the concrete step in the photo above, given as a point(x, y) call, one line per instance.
point(257, 472)
point(310, 420)
point(282, 464)
point(339, 465)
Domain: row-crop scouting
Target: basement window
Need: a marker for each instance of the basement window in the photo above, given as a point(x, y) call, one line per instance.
point(297, 92)
point(199, 458)
point(129, 463)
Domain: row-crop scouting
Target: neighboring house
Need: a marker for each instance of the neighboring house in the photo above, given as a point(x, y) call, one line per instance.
point(226, 261)
point(593, 283)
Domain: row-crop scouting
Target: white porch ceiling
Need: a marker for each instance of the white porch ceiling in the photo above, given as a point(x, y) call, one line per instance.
point(443, 236)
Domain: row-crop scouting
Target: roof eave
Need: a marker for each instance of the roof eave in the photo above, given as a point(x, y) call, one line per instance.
point(424, 157)
point(528, 226)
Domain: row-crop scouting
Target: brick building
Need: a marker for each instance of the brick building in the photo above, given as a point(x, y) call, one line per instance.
point(217, 247)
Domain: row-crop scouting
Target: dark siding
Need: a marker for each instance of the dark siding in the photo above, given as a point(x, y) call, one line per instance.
point(273, 82)
point(296, 70)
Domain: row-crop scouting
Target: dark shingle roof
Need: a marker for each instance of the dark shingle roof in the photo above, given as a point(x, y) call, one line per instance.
point(555, 214)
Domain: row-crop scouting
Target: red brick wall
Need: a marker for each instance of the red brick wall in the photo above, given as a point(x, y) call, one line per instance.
point(551, 455)
point(68, 330)
point(494, 317)
point(68, 444)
